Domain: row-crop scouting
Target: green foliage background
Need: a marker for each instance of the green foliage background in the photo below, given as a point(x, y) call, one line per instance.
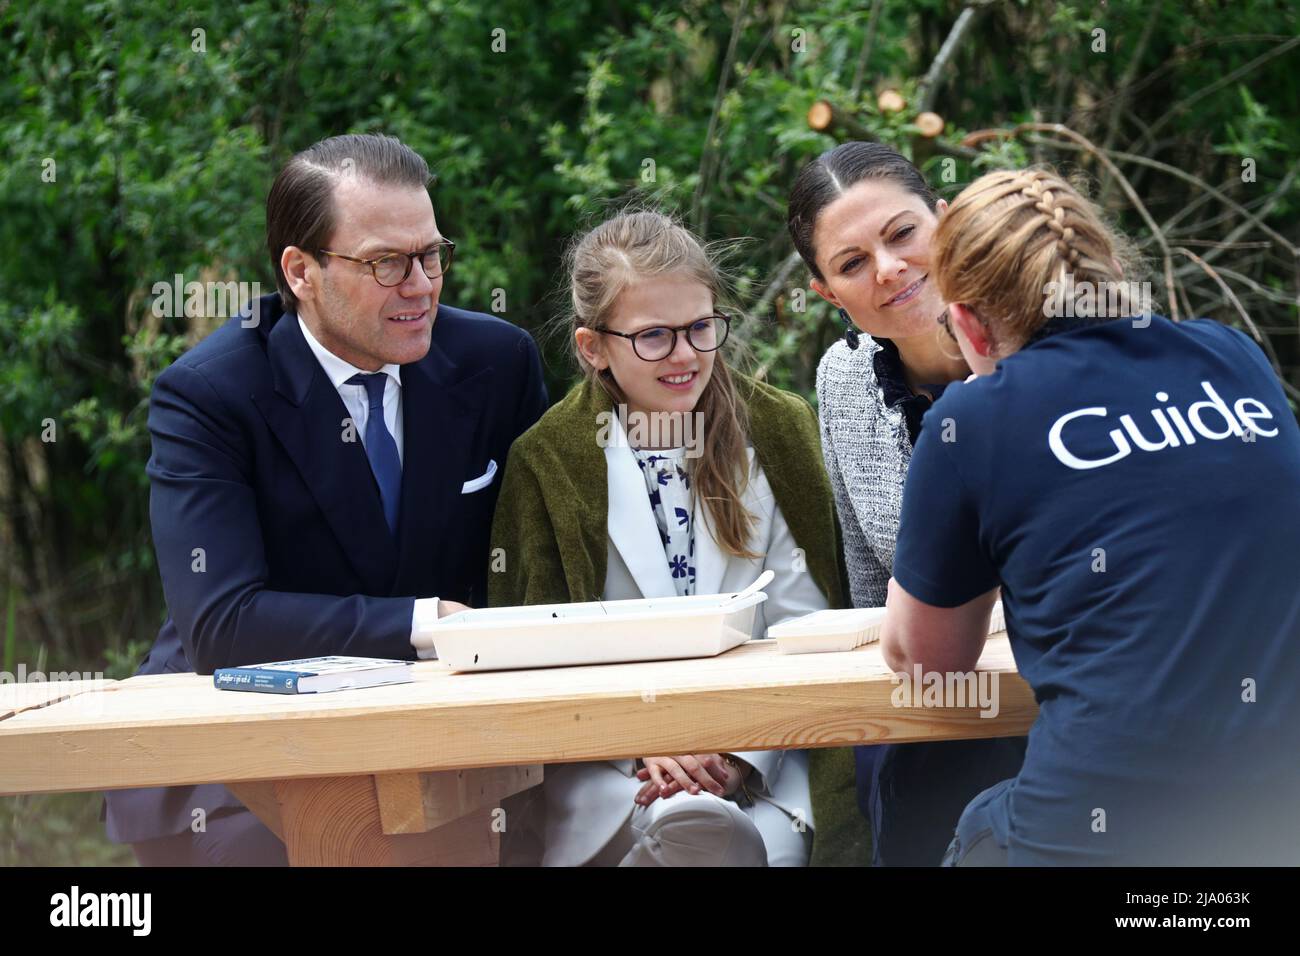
point(164, 141)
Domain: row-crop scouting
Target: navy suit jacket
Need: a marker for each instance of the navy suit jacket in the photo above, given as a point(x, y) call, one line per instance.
point(268, 525)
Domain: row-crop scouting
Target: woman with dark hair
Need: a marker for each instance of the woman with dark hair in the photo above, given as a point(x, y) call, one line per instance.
point(862, 217)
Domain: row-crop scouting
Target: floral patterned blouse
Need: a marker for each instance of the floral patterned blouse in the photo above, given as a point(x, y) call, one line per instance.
point(669, 487)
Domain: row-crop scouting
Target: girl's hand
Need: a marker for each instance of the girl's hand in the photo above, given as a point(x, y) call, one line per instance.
point(665, 776)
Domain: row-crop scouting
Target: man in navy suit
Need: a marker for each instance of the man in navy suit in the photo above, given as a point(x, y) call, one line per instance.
point(325, 466)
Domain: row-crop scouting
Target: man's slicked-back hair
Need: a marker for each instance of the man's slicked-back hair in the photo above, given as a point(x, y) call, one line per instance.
point(300, 207)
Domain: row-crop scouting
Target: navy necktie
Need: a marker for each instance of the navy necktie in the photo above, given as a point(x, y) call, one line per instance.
point(381, 448)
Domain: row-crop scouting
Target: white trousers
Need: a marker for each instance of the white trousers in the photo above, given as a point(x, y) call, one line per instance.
point(703, 830)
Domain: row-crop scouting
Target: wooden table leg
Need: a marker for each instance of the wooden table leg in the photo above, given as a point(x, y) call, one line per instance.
point(336, 821)
point(446, 818)
point(416, 802)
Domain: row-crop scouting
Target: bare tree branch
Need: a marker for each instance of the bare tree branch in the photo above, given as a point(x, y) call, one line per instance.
point(1090, 147)
point(1263, 292)
point(933, 78)
point(698, 214)
point(1245, 317)
point(1218, 84)
point(774, 287)
point(1126, 80)
point(1185, 53)
point(1252, 218)
point(865, 53)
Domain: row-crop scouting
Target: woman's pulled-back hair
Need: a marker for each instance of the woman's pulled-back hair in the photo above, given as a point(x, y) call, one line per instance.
point(644, 244)
point(832, 174)
point(1015, 245)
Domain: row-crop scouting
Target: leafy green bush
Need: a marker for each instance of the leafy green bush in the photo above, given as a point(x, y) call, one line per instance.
point(140, 143)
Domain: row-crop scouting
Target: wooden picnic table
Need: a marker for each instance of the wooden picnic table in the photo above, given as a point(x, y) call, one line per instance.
point(415, 773)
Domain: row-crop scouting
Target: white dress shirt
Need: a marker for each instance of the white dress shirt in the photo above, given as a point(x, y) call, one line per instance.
point(354, 395)
point(357, 401)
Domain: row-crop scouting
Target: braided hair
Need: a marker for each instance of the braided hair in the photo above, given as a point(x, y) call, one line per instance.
point(1029, 254)
point(1054, 214)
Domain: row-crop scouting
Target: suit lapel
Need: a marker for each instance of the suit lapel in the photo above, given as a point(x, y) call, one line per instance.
point(631, 521)
point(440, 427)
point(306, 415)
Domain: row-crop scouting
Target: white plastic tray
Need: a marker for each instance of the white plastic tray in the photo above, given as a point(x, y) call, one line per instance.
point(829, 630)
point(599, 632)
point(844, 630)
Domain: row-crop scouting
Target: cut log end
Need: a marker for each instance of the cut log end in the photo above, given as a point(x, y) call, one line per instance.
point(891, 101)
point(820, 116)
point(929, 125)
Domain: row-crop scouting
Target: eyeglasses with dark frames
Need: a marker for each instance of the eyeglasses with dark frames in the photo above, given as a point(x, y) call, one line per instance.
point(656, 344)
point(394, 268)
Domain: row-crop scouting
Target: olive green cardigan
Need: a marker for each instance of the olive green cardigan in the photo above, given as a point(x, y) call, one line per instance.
point(550, 531)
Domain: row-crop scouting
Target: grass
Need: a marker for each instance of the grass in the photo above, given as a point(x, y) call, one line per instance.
point(59, 829)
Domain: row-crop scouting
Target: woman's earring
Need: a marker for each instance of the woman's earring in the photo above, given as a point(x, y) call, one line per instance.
point(850, 331)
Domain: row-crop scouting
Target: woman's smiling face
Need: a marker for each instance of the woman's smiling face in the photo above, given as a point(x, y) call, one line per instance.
point(873, 250)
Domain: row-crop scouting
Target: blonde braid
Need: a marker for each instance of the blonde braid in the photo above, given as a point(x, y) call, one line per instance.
point(1007, 244)
point(1053, 215)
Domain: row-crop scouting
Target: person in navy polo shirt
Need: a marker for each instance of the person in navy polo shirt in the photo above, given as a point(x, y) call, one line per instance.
point(1128, 486)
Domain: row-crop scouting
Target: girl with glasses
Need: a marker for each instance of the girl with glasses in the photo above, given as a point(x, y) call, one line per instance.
point(664, 472)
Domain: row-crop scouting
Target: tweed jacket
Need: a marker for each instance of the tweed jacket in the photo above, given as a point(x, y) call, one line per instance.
point(867, 444)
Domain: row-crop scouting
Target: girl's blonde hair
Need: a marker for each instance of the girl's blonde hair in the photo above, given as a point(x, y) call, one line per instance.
point(1016, 245)
point(602, 264)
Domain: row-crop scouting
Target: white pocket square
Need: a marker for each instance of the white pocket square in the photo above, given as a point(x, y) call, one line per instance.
point(481, 482)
